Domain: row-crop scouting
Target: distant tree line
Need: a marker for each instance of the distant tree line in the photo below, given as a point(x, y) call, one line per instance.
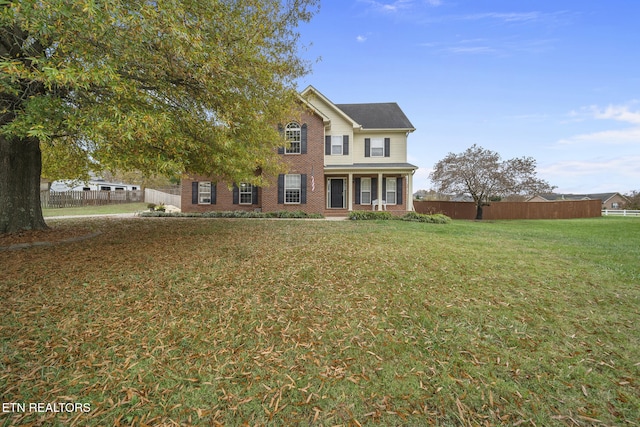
point(634, 200)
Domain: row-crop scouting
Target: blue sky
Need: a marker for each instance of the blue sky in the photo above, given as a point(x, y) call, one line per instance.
point(557, 80)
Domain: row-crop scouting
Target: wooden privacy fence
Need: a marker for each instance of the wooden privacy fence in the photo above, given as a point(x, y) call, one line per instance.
point(514, 210)
point(71, 199)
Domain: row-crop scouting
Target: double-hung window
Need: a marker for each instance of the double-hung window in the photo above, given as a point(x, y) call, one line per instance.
point(293, 136)
point(391, 191)
point(204, 193)
point(365, 191)
point(336, 145)
point(377, 147)
point(292, 189)
point(246, 193)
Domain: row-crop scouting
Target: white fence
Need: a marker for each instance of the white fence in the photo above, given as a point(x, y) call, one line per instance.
point(620, 212)
point(161, 198)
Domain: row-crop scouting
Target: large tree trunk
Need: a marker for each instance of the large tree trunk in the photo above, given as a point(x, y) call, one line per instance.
point(20, 167)
point(479, 211)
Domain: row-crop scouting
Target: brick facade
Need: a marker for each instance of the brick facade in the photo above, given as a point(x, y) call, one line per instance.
point(309, 164)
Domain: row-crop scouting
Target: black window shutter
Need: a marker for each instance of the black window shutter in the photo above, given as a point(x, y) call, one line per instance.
point(384, 189)
point(399, 190)
point(303, 189)
point(281, 130)
point(367, 147)
point(194, 193)
point(357, 189)
point(254, 195)
point(303, 139)
point(213, 193)
point(236, 194)
point(374, 188)
point(387, 147)
point(345, 144)
point(327, 145)
point(281, 189)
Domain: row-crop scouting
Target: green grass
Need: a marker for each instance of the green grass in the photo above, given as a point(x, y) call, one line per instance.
point(164, 321)
point(96, 210)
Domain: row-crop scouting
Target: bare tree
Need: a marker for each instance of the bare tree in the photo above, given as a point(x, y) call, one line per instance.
point(634, 200)
point(484, 175)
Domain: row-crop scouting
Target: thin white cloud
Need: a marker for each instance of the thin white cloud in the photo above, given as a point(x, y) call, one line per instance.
point(361, 39)
point(617, 112)
point(505, 17)
point(499, 47)
point(399, 5)
point(620, 165)
point(471, 50)
point(595, 175)
point(608, 137)
point(388, 7)
point(533, 117)
point(620, 113)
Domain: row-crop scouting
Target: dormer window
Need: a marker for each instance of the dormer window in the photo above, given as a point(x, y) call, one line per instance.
point(293, 136)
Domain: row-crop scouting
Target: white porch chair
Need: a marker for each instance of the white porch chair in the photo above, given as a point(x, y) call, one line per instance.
point(374, 205)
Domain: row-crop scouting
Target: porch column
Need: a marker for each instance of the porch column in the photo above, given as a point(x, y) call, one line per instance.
point(380, 191)
point(410, 190)
point(350, 192)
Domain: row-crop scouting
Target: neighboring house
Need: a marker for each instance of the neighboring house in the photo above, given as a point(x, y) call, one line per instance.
point(91, 185)
point(609, 200)
point(341, 157)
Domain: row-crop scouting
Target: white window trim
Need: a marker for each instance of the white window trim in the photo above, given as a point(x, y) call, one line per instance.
point(364, 191)
point(292, 188)
point(391, 189)
point(204, 193)
point(245, 189)
point(293, 135)
point(377, 143)
point(337, 141)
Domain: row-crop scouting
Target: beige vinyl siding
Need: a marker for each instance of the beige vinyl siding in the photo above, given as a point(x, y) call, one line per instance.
point(339, 126)
point(398, 147)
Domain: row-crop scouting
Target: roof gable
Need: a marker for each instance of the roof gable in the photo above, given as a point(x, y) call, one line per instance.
point(382, 115)
point(311, 92)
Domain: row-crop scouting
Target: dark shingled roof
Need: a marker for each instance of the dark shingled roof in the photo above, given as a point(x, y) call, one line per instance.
point(554, 196)
point(385, 115)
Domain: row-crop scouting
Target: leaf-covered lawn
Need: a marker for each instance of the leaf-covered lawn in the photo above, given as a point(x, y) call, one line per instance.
point(279, 322)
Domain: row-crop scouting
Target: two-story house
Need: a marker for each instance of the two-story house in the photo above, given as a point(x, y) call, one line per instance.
point(340, 157)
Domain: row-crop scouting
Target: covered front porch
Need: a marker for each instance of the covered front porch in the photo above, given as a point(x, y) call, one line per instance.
point(369, 187)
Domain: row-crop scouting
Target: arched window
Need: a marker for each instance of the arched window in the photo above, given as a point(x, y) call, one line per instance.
point(293, 137)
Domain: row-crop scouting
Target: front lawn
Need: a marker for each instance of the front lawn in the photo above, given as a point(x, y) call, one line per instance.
point(115, 208)
point(179, 321)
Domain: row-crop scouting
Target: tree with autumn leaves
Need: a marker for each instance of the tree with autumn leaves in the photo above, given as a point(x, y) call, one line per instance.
point(483, 175)
point(160, 87)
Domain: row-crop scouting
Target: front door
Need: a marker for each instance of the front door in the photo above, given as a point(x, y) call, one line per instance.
point(336, 193)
